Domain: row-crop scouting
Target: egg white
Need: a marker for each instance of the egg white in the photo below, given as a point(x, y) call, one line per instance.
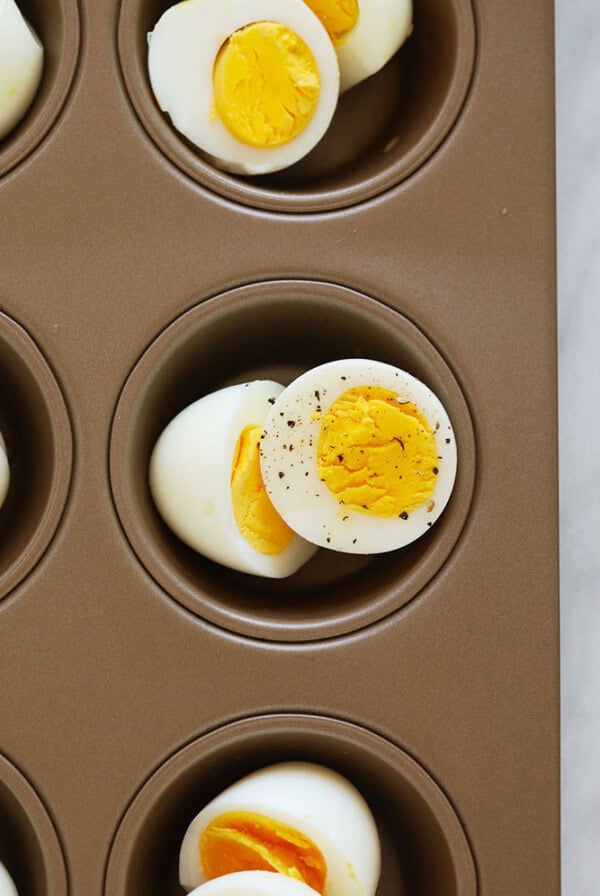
point(303, 501)
point(253, 883)
point(7, 887)
point(182, 51)
point(21, 64)
point(314, 800)
point(190, 479)
point(4, 471)
point(381, 29)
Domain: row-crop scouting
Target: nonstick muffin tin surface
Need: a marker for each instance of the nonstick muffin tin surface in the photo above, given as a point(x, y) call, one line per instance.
point(138, 679)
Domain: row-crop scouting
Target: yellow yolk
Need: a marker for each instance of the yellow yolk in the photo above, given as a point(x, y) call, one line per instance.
point(338, 16)
point(266, 84)
point(257, 519)
point(244, 841)
point(376, 453)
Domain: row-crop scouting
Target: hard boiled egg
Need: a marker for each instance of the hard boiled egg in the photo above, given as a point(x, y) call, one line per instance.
point(206, 483)
point(366, 33)
point(296, 818)
point(254, 883)
point(4, 471)
point(373, 461)
point(21, 63)
point(7, 887)
point(253, 83)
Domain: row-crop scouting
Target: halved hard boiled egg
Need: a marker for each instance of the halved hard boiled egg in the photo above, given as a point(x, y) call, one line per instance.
point(252, 83)
point(7, 887)
point(21, 63)
point(4, 471)
point(372, 461)
point(206, 483)
point(365, 33)
point(299, 819)
point(253, 883)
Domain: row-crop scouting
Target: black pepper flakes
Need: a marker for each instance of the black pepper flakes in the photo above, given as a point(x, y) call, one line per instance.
point(271, 400)
point(435, 471)
point(291, 423)
point(317, 395)
point(404, 515)
point(281, 475)
point(341, 458)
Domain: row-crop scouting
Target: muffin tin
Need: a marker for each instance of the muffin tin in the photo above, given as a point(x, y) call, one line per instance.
point(137, 678)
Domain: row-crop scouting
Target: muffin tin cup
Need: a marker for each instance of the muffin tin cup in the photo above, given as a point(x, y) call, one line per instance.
point(424, 846)
point(275, 330)
point(383, 130)
point(57, 24)
point(29, 846)
point(36, 428)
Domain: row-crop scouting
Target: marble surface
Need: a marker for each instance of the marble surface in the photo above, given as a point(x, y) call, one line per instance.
point(578, 182)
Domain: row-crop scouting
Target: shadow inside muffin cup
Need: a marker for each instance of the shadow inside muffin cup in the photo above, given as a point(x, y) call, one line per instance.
point(29, 847)
point(383, 129)
point(276, 331)
point(56, 23)
point(36, 430)
point(424, 848)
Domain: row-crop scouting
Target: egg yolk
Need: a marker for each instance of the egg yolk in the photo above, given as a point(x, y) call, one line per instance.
point(377, 453)
point(266, 84)
point(339, 17)
point(257, 519)
point(245, 841)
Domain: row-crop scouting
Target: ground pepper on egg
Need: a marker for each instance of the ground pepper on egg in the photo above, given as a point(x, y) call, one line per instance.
point(376, 453)
point(370, 470)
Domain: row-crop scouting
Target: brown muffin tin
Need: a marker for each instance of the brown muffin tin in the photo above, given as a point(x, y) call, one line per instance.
point(138, 679)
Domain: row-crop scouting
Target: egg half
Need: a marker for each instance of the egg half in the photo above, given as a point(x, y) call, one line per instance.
point(296, 818)
point(253, 883)
point(365, 33)
point(21, 63)
point(4, 471)
point(206, 482)
point(7, 887)
point(372, 458)
point(252, 83)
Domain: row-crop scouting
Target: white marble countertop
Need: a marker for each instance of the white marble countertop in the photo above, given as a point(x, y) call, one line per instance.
point(578, 181)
